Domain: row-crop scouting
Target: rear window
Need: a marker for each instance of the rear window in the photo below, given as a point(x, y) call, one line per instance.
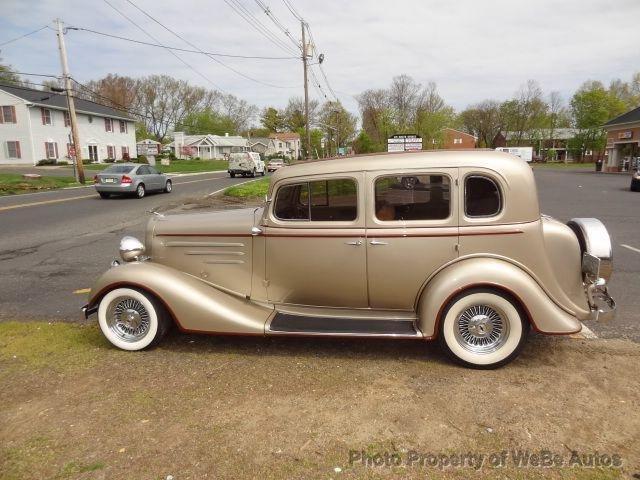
point(118, 169)
point(481, 197)
point(333, 200)
point(412, 197)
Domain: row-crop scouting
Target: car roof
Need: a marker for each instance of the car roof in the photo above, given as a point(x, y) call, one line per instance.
point(516, 175)
point(491, 159)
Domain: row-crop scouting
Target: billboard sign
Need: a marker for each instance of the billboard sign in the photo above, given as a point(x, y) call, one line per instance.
point(404, 143)
point(148, 149)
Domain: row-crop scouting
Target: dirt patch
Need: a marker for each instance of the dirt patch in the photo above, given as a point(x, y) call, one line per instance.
point(229, 407)
point(212, 202)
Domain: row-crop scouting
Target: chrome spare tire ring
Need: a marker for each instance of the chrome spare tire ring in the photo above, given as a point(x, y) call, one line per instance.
point(481, 329)
point(128, 319)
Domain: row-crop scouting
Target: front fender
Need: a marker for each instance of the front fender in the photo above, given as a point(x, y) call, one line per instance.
point(194, 305)
point(544, 315)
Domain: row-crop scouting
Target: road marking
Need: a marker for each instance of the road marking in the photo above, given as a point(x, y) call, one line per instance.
point(45, 202)
point(82, 290)
point(585, 333)
point(229, 186)
point(637, 250)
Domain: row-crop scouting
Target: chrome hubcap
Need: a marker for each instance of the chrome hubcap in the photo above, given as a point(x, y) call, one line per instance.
point(128, 319)
point(481, 329)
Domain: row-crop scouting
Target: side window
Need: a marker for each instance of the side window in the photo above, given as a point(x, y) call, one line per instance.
point(413, 197)
point(334, 200)
point(318, 201)
point(481, 197)
point(143, 170)
point(292, 202)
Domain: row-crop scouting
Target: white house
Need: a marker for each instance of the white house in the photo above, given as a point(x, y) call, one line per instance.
point(286, 144)
point(34, 126)
point(207, 146)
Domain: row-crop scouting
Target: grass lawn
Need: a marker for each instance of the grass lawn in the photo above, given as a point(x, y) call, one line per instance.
point(255, 189)
point(12, 183)
point(565, 166)
point(74, 407)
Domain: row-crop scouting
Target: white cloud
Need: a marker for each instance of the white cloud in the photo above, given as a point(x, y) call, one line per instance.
point(472, 49)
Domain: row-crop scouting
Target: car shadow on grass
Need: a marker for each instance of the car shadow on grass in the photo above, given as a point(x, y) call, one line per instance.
point(538, 350)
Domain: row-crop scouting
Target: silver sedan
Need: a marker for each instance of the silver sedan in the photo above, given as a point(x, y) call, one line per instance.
point(131, 178)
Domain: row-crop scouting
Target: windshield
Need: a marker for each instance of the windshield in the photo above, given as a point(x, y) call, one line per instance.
point(118, 169)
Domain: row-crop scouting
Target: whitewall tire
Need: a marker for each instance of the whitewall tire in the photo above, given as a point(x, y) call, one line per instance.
point(131, 319)
point(483, 328)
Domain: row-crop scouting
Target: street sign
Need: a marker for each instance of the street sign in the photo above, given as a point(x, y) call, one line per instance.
point(148, 149)
point(404, 143)
point(72, 151)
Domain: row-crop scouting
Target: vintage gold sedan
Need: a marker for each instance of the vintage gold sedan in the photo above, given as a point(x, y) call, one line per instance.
point(446, 246)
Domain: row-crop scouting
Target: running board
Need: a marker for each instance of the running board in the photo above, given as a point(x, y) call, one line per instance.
point(288, 324)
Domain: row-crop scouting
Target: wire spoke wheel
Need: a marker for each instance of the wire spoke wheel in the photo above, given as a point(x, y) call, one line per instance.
point(128, 319)
point(481, 329)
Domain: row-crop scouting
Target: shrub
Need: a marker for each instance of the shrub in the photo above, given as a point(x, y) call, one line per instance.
point(126, 157)
point(63, 162)
point(140, 159)
point(46, 161)
point(109, 160)
point(86, 161)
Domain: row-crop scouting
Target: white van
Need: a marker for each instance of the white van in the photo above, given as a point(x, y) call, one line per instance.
point(247, 164)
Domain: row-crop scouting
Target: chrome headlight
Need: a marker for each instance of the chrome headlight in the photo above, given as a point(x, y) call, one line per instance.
point(131, 248)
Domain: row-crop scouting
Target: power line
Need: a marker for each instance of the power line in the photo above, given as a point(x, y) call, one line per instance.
point(297, 15)
point(293, 11)
point(201, 51)
point(237, 7)
point(265, 8)
point(22, 36)
point(180, 49)
point(36, 74)
point(184, 62)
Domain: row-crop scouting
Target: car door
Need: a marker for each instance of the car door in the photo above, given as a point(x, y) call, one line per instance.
point(156, 177)
point(412, 230)
point(315, 252)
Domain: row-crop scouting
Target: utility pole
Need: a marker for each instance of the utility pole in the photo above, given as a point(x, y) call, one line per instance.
point(306, 92)
point(77, 149)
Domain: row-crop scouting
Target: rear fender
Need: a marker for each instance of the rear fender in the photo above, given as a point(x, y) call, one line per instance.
point(543, 314)
point(194, 305)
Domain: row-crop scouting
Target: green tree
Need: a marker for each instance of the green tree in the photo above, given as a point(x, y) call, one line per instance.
point(208, 121)
point(338, 125)
point(363, 143)
point(8, 75)
point(592, 106)
point(272, 120)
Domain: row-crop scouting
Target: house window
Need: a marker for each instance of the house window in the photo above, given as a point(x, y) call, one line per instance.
point(415, 197)
point(67, 119)
point(108, 125)
point(51, 149)
point(45, 113)
point(13, 149)
point(457, 140)
point(111, 151)
point(123, 126)
point(8, 114)
point(125, 153)
point(279, 144)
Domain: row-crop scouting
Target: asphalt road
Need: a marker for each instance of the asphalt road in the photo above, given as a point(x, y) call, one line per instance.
point(52, 244)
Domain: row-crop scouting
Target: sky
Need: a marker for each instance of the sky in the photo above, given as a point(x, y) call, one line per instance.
point(472, 49)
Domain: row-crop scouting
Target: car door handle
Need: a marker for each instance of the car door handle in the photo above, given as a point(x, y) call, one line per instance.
point(377, 242)
point(354, 242)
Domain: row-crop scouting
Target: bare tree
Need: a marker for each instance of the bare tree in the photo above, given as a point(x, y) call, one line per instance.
point(404, 95)
point(484, 121)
